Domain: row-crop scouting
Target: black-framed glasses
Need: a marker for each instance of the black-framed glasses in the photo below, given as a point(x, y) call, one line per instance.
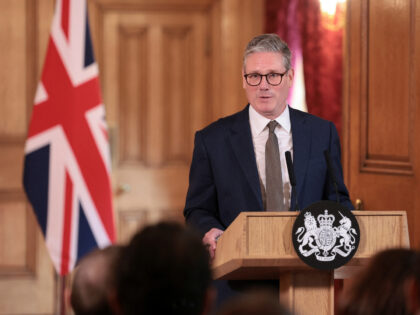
point(255, 79)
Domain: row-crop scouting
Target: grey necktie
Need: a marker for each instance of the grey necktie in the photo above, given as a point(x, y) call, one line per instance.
point(274, 181)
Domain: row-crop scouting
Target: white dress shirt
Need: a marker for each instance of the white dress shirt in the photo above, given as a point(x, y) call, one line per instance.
point(259, 131)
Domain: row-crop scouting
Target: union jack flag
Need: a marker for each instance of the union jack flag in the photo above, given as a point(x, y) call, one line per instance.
point(67, 161)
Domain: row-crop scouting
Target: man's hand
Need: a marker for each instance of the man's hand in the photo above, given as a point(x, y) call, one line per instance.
point(210, 239)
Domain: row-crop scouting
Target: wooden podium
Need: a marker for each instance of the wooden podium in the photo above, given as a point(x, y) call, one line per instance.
point(258, 245)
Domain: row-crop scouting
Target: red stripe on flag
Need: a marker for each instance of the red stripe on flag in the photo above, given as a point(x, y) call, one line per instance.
point(67, 223)
point(65, 17)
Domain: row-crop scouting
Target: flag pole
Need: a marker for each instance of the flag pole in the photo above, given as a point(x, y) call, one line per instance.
point(61, 294)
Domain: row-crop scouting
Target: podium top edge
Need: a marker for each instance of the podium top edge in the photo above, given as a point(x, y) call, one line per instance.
point(296, 213)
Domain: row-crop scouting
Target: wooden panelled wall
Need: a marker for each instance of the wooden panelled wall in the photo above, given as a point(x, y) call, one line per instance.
point(167, 68)
point(26, 276)
point(381, 120)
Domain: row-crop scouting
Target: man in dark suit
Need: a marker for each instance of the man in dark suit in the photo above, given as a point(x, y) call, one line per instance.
point(231, 170)
point(239, 161)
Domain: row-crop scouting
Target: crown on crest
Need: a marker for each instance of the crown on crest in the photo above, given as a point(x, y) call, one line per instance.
point(326, 220)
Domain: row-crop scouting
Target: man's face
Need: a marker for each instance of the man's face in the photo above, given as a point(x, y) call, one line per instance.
point(268, 100)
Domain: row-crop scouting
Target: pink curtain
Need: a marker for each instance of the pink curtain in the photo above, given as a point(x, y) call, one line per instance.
point(321, 41)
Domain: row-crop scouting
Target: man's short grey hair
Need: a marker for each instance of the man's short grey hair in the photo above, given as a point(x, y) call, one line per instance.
point(269, 43)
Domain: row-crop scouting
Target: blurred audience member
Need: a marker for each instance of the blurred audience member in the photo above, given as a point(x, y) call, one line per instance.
point(94, 282)
point(259, 302)
point(380, 287)
point(413, 290)
point(165, 269)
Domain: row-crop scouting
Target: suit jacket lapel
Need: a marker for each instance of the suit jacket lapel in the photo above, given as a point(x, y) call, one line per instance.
point(301, 147)
point(241, 141)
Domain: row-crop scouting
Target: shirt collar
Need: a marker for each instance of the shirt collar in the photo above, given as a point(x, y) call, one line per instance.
point(259, 122)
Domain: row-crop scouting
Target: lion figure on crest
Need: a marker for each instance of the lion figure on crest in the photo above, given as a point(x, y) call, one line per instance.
point(311, 232)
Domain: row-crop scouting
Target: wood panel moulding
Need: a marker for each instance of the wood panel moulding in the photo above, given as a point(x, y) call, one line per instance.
point(133, 93)
point(29, 292)
point(17, 255)
point(160, 79)
point(415, 65)
point(23, 31)
point(181, 5)
point(13, 64)
point(386, 86)
point(99, 8)
point(179, 80)
point(11, 161)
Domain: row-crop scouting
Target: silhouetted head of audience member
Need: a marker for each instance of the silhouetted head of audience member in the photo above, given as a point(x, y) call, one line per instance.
point(94, 282)
point(259, 302)
point(165, 269)
point(412, 289)
point(380, 287)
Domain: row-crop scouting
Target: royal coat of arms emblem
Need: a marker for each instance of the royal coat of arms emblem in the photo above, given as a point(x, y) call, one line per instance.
point(324, 240)
point(327, 238)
